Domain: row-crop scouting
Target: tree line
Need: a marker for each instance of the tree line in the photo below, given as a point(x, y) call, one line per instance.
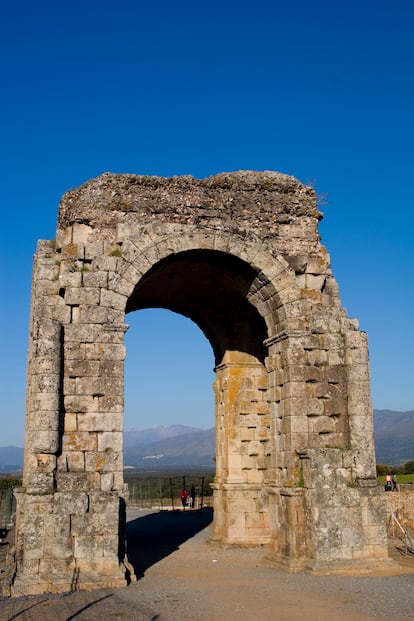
point(406, 468)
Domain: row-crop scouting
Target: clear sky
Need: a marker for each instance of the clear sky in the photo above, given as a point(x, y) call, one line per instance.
point(320, 90)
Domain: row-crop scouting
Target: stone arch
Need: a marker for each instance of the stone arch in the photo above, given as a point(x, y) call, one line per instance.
point(295, 453)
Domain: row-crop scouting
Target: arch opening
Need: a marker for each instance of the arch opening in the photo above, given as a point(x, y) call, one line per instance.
point(169, 371)
point(212, 288)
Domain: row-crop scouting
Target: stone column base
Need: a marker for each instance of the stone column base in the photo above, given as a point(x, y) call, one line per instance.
point(88, 581)
point(241, 515)
point(357, 567)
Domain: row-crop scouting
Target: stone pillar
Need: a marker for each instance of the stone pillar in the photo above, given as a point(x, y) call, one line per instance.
point(242, 430)
point(71, 512)
point(287, 369)
point(326, 511)
point(44, 413)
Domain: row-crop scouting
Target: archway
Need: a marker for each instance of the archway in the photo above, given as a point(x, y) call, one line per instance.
point(240, 254)
point(211, 288)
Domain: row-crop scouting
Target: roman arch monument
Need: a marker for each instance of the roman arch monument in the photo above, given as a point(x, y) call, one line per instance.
point(240, 255)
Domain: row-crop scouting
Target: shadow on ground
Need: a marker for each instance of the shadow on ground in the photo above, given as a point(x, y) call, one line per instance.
point(153, 537)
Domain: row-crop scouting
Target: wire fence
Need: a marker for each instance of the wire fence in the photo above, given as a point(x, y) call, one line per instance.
point(169, 493)
point(7, 508)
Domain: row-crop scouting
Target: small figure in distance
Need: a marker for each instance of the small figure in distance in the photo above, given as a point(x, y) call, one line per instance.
point(192, 497)
point(395, 485)
point(184, 498)
point(388, 483)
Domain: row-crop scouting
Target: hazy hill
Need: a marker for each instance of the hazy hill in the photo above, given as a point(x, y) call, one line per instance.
point(143, 437)
point(194, 447)
point(11, 458)
point(394, 436)
point(182, 446)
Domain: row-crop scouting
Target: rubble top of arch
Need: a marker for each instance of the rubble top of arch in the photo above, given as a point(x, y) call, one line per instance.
point(245, 196)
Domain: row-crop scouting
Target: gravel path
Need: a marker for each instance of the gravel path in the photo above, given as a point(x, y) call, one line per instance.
point(183, 577)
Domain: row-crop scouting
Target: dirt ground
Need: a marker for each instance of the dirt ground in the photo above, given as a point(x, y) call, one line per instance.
point(181, 576)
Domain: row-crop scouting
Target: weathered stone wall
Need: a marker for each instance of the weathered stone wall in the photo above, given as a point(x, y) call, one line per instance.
point(240, 255)
point(269, 205)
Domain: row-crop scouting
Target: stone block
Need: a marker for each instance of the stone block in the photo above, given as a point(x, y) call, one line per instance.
point(255, 448)
point(72, 481)
point(82, 368)
point(70, 502)
point(101, 315)
point(43, 421)
point(38, 482)
point(113, 299)
point(46, 463)
point(104, 502)
point(85, 547)
point(75, 461)
point(255, 477)
point(68, 278)
point(59, 547)
point(248, 420)
point(247, 434)
point(102, 263)
point(79, 441)
point(99, 386)
point(104, 461)
point(118, 484)
point(104, 351)
point(294, 389)
point(111, 404)
point(110, 441)
point(111, 546)
point(319, 357)
point(120, 285)
point(94, 279)
point(321, 425)
point(79, 403)
point(107, 481)
point(43, 441)
point(111, 368)
point(69, 385)
point(81, 295)
point(93, 250)
point(101, 422)
point(130, 273)
point(79, 334)
point(95, 524)
point(335, 407)
point(315, 282)
point(45, 383)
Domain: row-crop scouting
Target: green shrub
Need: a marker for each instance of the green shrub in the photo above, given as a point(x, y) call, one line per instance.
point(7, 482)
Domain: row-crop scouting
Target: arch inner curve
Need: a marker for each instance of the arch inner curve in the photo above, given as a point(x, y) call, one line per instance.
point(209, 287)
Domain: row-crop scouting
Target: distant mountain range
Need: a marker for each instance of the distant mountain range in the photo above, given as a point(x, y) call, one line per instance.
point(394, 436)
point(160, 447)
point(191, 447)
point(11, 458)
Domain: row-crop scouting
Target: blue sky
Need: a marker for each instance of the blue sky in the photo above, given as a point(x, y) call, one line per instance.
point(322, 91)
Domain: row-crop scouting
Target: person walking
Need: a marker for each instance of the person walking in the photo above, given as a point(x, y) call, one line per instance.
point(184, 498)
point(395, 486)
point(192, 497)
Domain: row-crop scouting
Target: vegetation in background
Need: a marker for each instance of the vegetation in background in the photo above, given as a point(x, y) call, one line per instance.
point(7, 482)
point(149, 487)
point(405, 472)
